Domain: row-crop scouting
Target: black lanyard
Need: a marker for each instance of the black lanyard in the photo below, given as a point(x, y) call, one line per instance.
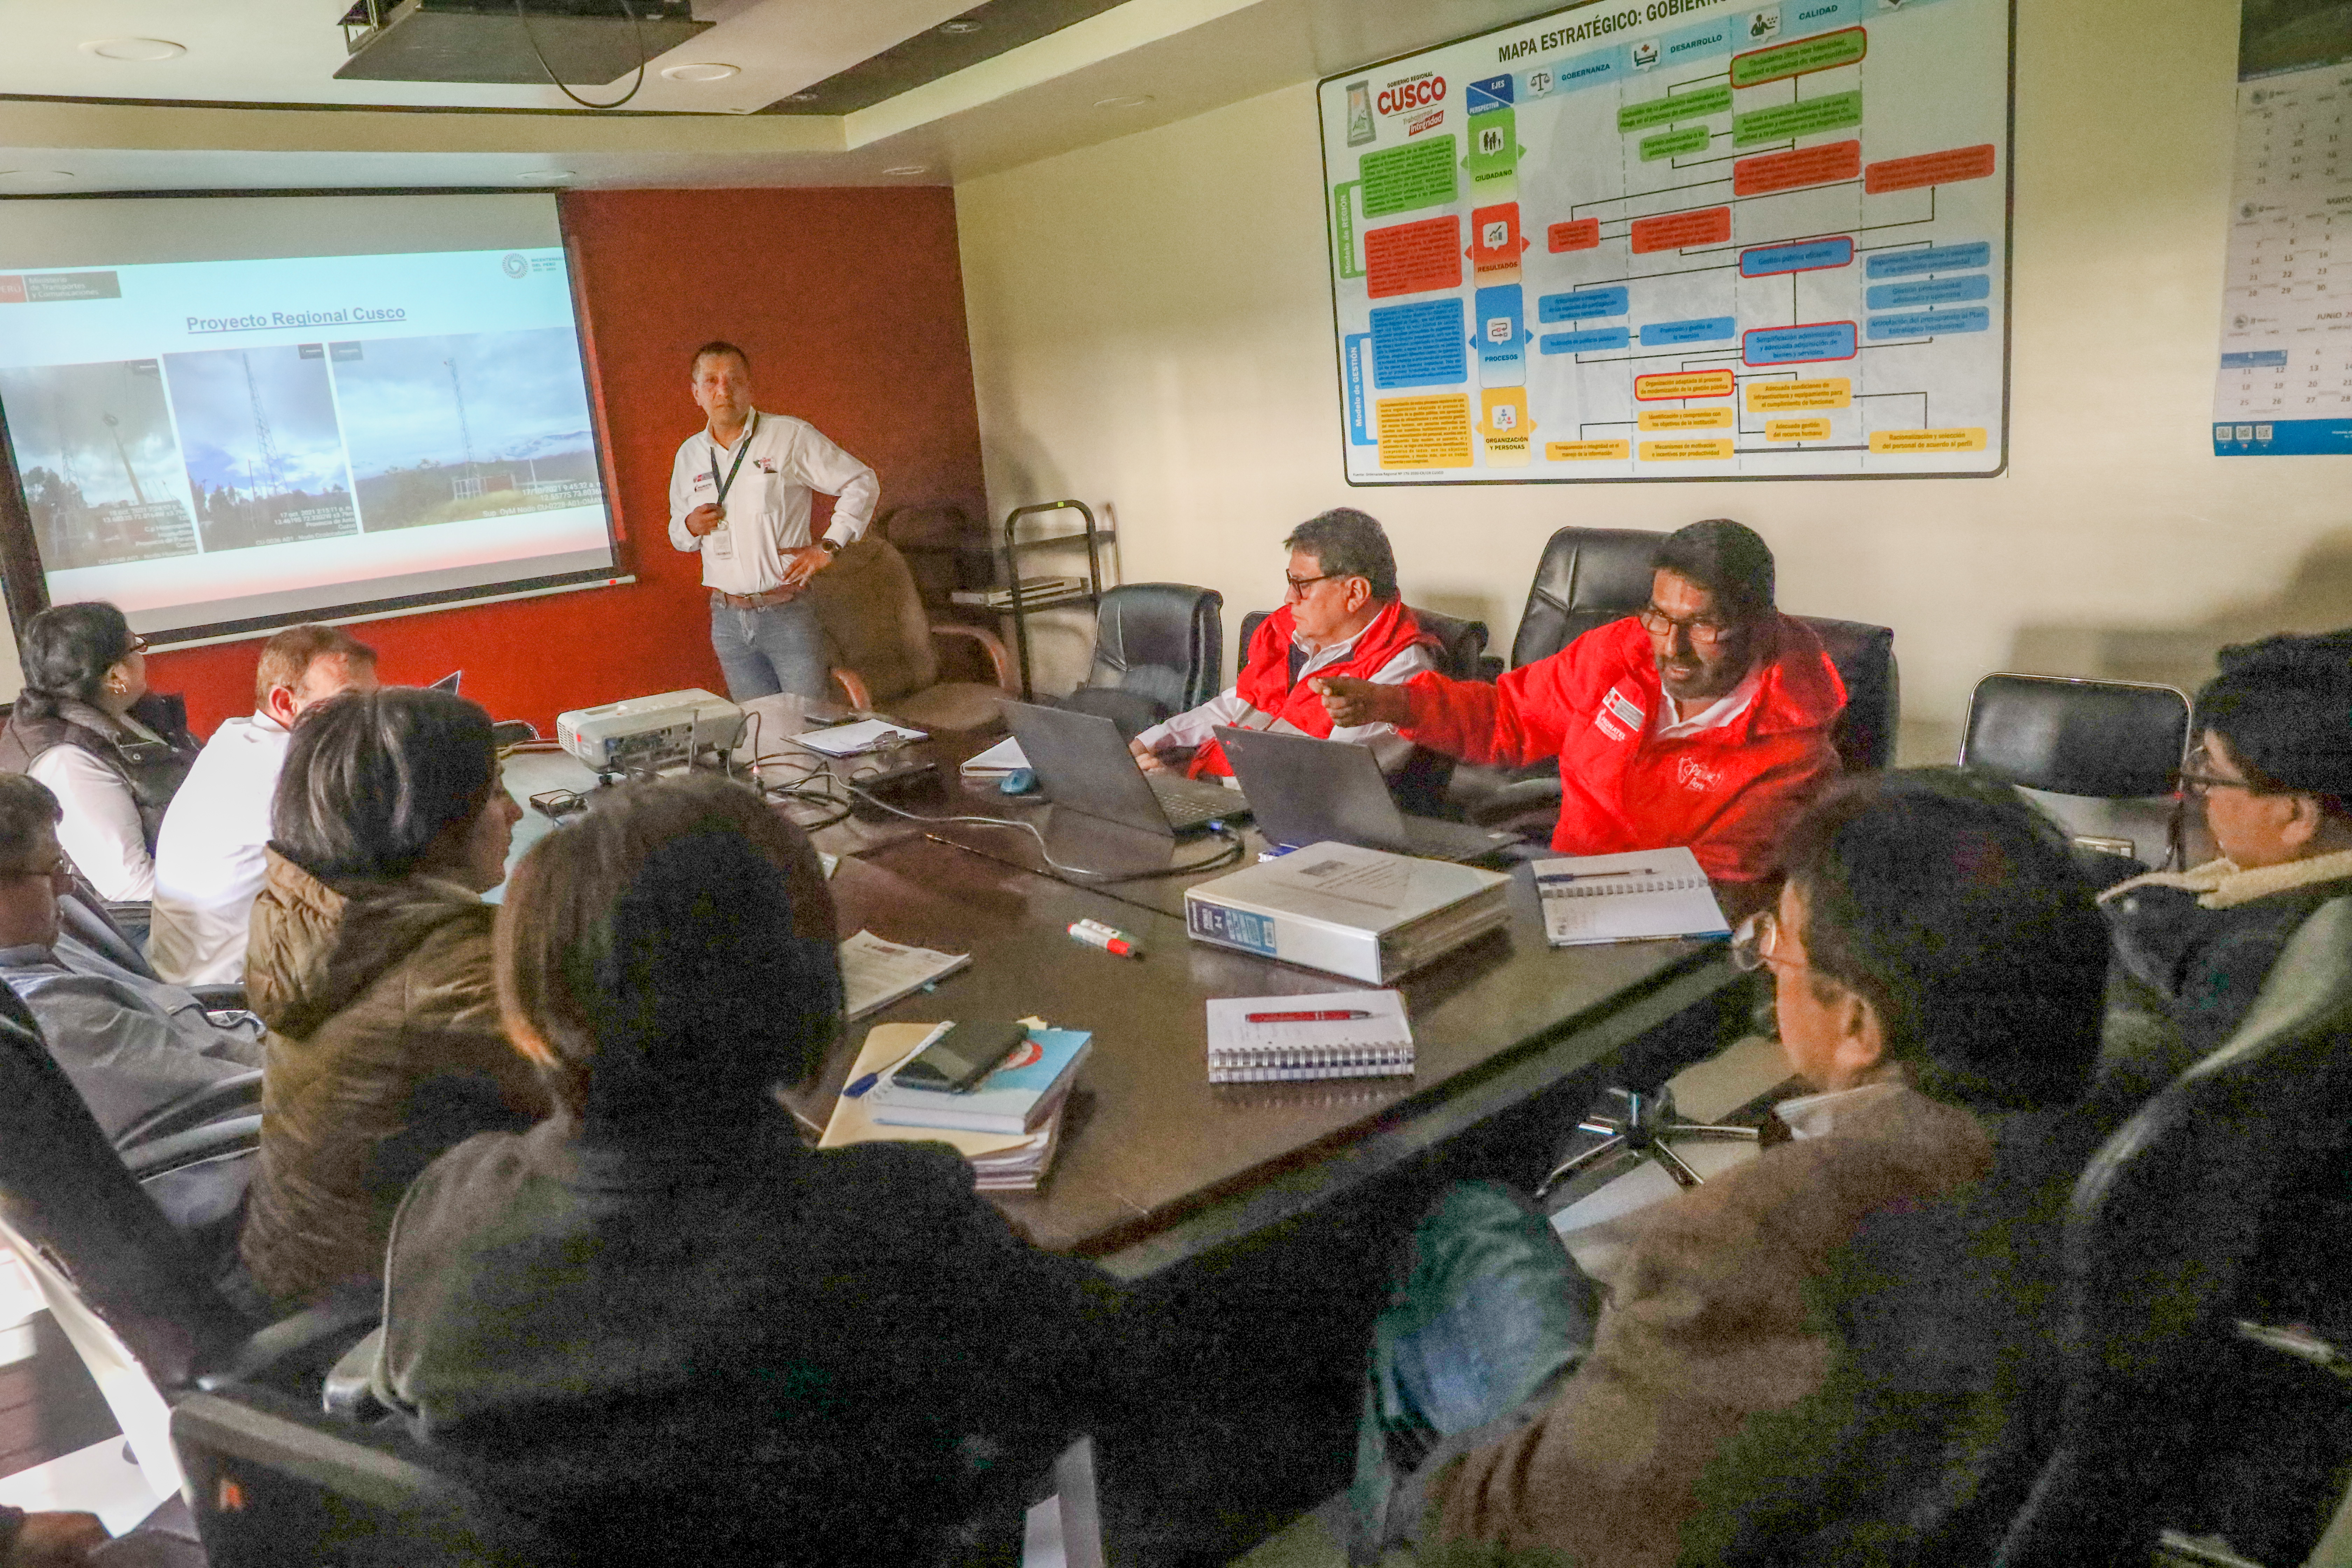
point(726, 483)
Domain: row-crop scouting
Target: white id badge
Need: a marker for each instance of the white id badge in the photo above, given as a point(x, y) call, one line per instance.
point(719, 544)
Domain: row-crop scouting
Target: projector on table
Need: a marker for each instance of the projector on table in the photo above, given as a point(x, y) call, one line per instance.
point(646, 734)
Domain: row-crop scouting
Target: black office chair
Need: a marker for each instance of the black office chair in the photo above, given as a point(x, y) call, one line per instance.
point(1158, 649)
point(2207, 1251)
point(2102, 756)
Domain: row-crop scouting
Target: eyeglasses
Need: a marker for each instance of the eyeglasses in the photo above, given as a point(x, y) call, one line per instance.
point(1756, 943)
point(1704, 631)
point(2195, 779)
point(1299, 586)
point(138, 645)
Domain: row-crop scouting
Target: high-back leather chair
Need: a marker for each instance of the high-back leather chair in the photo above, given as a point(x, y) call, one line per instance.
point(1158, 651)
point(2102, 756)
point(2220, 1215)
point(879, 642)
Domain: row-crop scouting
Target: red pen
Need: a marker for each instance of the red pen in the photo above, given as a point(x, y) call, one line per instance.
point(1341, 1017)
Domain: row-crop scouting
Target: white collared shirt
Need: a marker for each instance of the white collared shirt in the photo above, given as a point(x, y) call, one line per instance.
point(209, 854)
point(1813, 1115)
point(1197, 726)
point(1721, 711)
point(768, 498)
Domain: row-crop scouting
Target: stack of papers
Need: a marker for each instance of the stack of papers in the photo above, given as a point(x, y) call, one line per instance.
point(1001, 1163)
point(1340, 1034)
point(856, 740)
point(1642, 895)
point(996, 762)
point(1017, 1096)
point(875, 974)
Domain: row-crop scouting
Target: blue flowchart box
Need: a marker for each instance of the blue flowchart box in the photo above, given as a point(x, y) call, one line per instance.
point(1934, 259)
point(1931, 324)
point(1705, 330)
point(1501, 339)
point(1808, 256)
point(1929, 291)
point(1583, 303)
point(1420, 344)
point(1598, 340)
point(1794, 345)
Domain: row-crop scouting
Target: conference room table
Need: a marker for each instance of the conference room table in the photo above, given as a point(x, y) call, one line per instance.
point(1263, 1218)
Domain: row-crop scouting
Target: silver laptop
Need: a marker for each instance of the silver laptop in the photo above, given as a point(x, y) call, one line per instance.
point(1308, 791)
point(1083, 763)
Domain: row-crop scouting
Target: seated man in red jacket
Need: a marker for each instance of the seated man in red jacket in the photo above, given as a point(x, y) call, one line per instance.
point(1703, 721)
point(1340, 615)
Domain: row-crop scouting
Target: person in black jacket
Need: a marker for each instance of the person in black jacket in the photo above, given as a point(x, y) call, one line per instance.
point(659, 1326)
point(2273, 768)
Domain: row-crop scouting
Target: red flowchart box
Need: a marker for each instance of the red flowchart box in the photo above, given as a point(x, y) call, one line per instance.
point(1928, 169)
point(1793, 171)
point(1579, 234)
point(1408, 257)
point(1673, 231)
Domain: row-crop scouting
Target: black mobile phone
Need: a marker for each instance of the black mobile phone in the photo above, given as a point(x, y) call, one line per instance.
point(959, 1059)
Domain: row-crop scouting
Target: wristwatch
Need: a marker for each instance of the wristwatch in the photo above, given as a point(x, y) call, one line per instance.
point(830, 546)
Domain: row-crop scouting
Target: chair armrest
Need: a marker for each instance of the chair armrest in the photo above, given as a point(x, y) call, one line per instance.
point(223, 1135)
point(998, 657)
point(238, 1095)
point(219, 998)
point(853, 688)
point(350, 1389)
point(318, 1335)
point(1519, 798)
point(1490, 667)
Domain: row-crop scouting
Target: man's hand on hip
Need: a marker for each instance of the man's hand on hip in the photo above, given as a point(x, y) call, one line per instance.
point(704, 517)
point(804, 564)
point(1352, 702)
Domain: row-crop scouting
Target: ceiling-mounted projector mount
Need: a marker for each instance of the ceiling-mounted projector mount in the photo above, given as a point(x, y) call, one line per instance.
point(587, 42)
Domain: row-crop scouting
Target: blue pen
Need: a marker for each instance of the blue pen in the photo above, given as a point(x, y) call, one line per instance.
point(871, 1080)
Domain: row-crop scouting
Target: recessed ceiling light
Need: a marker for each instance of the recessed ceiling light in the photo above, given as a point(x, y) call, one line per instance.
point(699, 71)
point(807, 95)
point(544, 177)
point(134, 48)
point(908, 168)
point(955, 28)
point(1125, 100)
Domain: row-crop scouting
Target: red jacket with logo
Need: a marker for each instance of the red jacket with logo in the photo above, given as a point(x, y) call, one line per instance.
point(1728, 793)
point(1265, 685)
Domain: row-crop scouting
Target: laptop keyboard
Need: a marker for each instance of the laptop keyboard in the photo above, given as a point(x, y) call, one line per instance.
point(1190, 805)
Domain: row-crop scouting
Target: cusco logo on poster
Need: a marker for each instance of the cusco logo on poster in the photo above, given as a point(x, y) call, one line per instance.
point(1423, 91)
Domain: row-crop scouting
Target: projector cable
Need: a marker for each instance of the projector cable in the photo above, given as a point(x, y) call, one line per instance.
point(636, 31)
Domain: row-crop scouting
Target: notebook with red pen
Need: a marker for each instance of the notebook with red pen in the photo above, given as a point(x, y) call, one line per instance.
point(1341, 1034)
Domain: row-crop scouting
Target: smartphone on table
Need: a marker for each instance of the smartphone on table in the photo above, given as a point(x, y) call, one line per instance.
point(959, 1059)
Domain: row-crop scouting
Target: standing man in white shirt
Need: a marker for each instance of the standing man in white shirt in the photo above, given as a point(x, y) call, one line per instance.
point(208, 855)
point(739, 493)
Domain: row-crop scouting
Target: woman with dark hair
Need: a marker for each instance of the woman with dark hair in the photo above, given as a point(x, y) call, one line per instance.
point(2273, 768)
point(86, 726)
point(371, 963)
point(659, 1325)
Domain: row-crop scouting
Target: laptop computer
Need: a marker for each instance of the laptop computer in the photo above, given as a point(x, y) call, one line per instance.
point(1083, 763)
point(1308, 791)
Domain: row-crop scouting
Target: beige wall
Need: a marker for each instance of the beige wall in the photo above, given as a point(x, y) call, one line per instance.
point(1151, 329)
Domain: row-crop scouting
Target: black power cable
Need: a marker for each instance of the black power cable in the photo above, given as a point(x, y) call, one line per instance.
point(636, 31)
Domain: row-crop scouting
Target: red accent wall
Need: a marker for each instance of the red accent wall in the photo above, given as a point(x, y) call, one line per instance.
point(851, 305)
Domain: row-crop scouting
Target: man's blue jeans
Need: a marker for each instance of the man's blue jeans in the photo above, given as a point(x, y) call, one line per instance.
point(764, 651)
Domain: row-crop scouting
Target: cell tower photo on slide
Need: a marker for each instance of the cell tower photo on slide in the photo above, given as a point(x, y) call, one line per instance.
point(465, 426)
point(102, 471)
point(264, 457)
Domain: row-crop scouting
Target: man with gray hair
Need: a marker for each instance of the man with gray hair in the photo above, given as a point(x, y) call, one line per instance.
point(129, 1042)
point(1341, 615)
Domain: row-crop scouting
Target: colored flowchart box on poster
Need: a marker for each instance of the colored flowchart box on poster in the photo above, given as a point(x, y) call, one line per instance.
point(1791, 345)
point(1494, 153)
point(1823, 51)
point(1413, 258)
point(1601, 339)
point(1501, 339)
point(1931, 324)
point(1930, 259)
point(1832, 111)
point(1674, 231)
point(1577, 234)
point(1971, 440)
point(1657, 111)
point(1929, 169)
point(1587, 451)
point(1417, 174)
point(1583, 303)
point(1674, 143)
point(1769, 172)
point(1796, 429)
point(1702, 330)
point(1809, 256)
point(1687, 419)
point(1929, 291)
point(1785, 397)
point(1421, 344)
point(1494, 242)
point(1504, 427)
point(1424, 432)
point(1351, 356)
point(1697, 451)
point(1682, 384)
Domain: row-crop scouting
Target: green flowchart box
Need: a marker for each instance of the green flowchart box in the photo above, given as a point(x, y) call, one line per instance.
point(1826, 52)
point(1674, 143)
point(1494, 147)
point(1679, 106)
point(1417, 174)
point(1830, 113)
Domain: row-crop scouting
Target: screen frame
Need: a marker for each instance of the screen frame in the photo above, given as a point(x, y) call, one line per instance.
point(23, 579)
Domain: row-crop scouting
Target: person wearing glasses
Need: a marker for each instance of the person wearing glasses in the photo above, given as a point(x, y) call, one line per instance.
point(1704, 721)
point(2273, 769)
point(1844, 1350)
point(1341, 615)
point(87, 726)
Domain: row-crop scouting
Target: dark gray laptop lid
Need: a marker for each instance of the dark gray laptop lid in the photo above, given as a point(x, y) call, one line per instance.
point(1085, 766)
point(1308, 791)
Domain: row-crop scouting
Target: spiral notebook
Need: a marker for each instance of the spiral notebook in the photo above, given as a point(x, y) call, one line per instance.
point(1340, 1034)
point(1638, 896)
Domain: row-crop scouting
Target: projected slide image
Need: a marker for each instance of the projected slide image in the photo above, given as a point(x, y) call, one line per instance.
point(265, 459)
point(102, 471)
point(465, 426)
